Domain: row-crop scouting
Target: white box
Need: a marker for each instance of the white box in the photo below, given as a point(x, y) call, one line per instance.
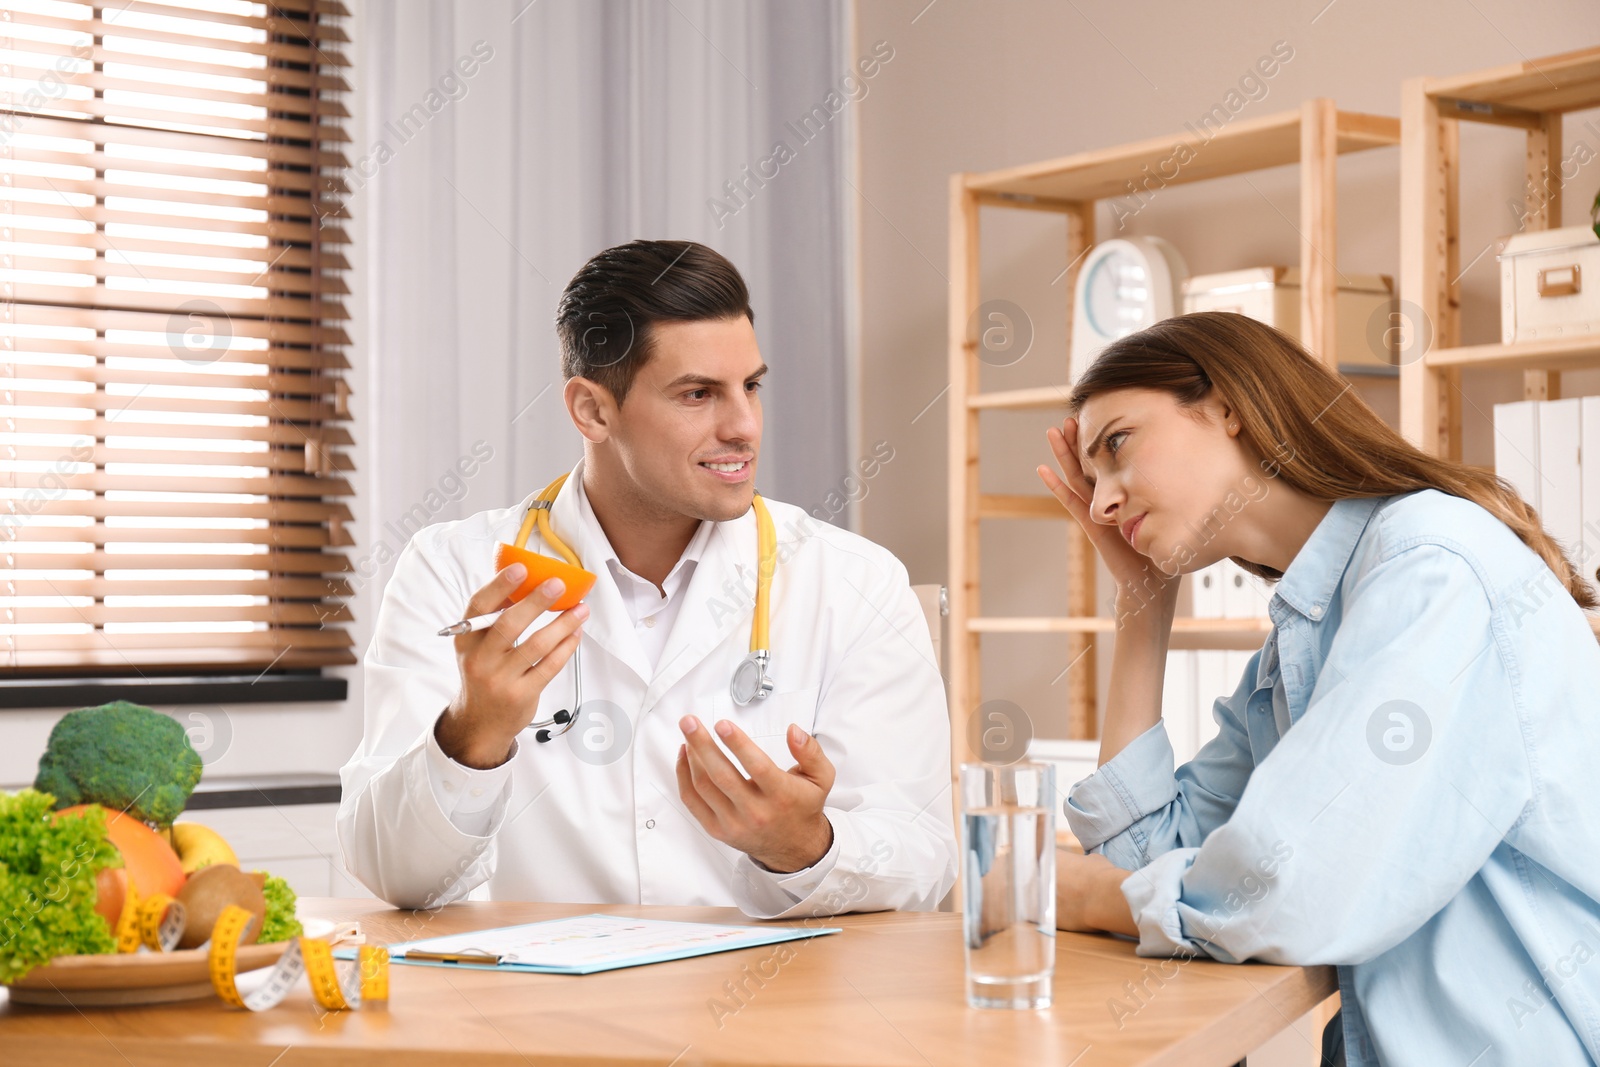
point(1178, 705)
point(1516, 447)
point(1543, 289)
point(1586, 556)
point(1074, 761)
point(1272, 295)
point(1207, 587)
point(1560, 487)
point(1244, 596)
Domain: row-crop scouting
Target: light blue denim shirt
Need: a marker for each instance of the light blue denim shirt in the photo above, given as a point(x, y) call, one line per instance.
point(1403, 785)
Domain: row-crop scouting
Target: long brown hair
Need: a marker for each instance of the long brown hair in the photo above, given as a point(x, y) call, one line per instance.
point(1319, 435)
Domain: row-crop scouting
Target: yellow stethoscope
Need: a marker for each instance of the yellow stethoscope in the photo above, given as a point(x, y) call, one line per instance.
point(750, 681)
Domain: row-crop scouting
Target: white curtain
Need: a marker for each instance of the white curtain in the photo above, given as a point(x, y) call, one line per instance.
point(502, 144)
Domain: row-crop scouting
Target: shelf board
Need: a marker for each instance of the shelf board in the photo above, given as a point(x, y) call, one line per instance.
point(1020, 506)
point(1182, 626)
point(1055, 396)
point(1563, 353)
point(1048, 396)
point(1104, 624)
point(1369, 371)
point(1567, 82)
point(1240, 146)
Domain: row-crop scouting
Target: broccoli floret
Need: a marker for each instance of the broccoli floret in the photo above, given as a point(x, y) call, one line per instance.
point(122, 756)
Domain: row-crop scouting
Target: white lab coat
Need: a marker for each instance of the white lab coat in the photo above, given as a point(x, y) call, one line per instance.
point(852, 663)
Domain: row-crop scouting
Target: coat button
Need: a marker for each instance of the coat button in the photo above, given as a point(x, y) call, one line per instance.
point(649, 824)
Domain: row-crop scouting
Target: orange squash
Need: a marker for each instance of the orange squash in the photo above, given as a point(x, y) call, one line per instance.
point(151, 863)
point(540, 569)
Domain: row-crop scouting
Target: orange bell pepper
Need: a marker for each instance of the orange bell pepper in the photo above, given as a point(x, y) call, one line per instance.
point(540, 569)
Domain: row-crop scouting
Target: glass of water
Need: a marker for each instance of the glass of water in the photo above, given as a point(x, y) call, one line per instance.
point(1008, 876)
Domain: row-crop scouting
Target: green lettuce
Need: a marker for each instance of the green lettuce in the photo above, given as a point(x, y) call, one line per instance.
point(280, 923)
point(47, 883)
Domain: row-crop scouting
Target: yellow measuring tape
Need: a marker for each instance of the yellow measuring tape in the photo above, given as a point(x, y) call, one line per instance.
point(156, 923)
point(337, 986)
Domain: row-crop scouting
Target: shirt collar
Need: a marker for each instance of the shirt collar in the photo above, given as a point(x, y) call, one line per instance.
point(1314, 573)
point(597, 536)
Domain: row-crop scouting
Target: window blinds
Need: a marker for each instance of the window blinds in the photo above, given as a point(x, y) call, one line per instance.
point(173, 410)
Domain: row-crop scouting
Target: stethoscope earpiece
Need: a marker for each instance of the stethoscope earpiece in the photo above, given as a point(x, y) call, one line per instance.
point(560, 718)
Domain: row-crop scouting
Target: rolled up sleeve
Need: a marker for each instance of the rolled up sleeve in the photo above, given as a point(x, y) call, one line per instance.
point(1136, 806)
point(1135, 782)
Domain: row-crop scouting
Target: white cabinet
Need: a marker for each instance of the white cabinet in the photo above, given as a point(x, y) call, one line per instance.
point(296, 842)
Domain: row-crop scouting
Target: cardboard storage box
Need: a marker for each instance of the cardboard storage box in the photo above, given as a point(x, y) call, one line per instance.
point(1272, 295)
point(1544, 291)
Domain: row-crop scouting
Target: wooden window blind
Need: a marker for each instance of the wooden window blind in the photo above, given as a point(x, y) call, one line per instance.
point(173, 412)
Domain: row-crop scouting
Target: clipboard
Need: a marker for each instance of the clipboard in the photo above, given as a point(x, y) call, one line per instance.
point(587, 944)
point(416, 956)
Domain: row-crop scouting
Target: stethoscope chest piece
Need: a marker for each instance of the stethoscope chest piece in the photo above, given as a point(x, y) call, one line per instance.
point(750, 681)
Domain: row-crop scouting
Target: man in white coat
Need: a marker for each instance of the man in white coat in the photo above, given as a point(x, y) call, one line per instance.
point(844, 801)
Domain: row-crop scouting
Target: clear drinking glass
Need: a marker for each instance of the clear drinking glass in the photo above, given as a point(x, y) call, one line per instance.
point(1008, 874)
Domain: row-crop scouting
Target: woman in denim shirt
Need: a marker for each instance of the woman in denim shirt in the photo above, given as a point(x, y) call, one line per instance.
point(1402, 781)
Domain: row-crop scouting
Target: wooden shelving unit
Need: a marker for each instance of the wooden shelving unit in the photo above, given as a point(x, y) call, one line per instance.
point(1529, 96)
point(1312, 136)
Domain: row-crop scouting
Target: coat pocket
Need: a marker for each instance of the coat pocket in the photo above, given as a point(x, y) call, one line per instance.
point(767, 721)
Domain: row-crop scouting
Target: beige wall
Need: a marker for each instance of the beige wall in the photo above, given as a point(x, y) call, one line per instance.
point(976, 86)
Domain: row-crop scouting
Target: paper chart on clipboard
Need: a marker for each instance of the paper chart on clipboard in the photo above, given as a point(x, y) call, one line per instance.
point(582, 944)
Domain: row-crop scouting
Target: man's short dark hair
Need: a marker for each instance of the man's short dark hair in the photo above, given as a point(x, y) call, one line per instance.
point(608, 311)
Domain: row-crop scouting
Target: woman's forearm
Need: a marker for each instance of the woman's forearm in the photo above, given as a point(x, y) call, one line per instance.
point(1138, 670)
point(1089, 894)
point(1108, 908)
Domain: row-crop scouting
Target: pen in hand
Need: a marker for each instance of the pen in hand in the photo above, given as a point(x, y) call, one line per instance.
point(552, 588)
point(466, 626)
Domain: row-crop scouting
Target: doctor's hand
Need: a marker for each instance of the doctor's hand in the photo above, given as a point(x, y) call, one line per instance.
point(501, 680)
point(1136, 574)
point(774, 816)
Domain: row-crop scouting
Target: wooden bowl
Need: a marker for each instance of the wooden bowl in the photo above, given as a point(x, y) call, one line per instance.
point(132, 977)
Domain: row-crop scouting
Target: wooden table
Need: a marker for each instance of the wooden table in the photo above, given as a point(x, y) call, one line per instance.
point(889, 989)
